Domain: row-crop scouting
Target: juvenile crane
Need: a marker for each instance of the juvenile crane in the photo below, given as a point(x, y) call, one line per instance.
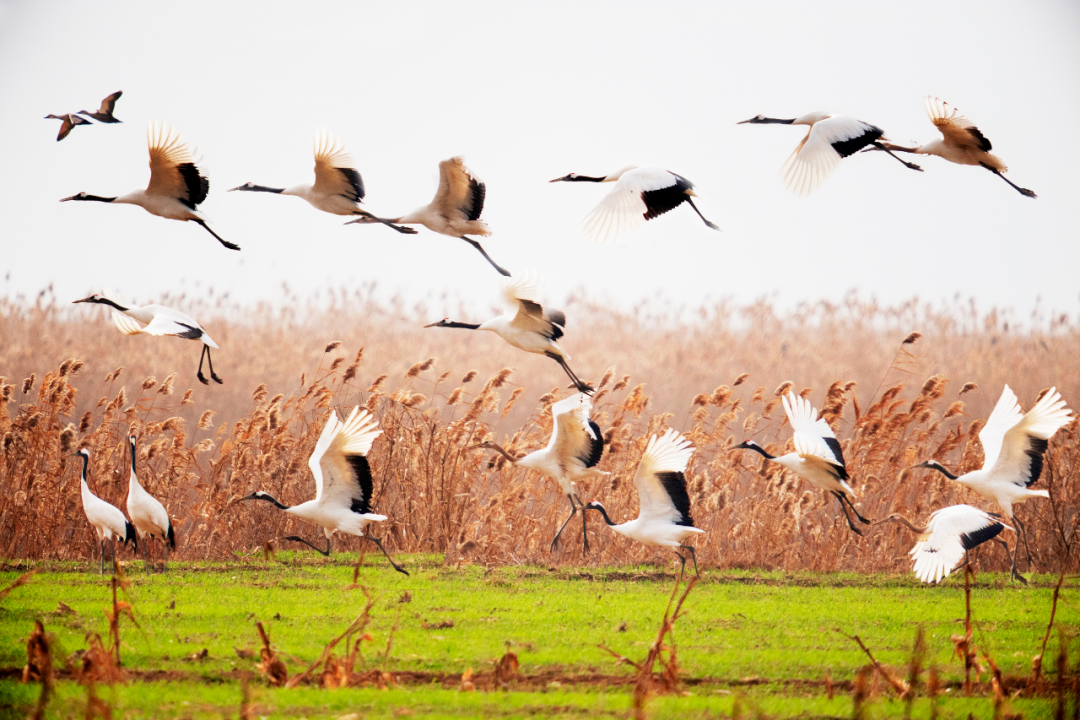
point(148, 515)
point(343, 484)
point(664, 516)
point(946, 538)
point(1013, 449)
point(70, 121)
point(158, 320)
point(831, 138)
point(338, 187)
point(526, 325)
point(575, 448)
point(960, 142)
point(109, 523)
point(105, 112)
point(176, 186)
point(817, 457)
point(455, 210)
point(640, 194)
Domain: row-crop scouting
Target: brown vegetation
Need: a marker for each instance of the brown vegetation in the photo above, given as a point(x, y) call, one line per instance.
point(71, 381)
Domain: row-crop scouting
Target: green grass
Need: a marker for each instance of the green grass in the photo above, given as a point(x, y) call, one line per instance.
point(739, 625)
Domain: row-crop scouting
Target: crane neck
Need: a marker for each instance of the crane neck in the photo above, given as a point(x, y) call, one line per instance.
point(134, 477)
point(600, 509)
point(941, 469)
point(268, 498)
point(499, 448)
point(455, 324)
point(96, 198)
point(85, 466)
point(758, 449)
point(897, 518)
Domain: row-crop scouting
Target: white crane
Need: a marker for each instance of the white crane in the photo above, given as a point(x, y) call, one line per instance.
point(176, 186)
point(960, 142)
point(105, 112)
point(831, 138)
point(70, 121)
point(455, 209)
point(664, 516)
point(817, 457)
point(575, 448)
point(338, 187)
point(148, 515)
point(640, 194)
point(109, 523)
point(1013, 449)
point(343, 483)
point(526, 325)
point(947, 537)
point(158, 320)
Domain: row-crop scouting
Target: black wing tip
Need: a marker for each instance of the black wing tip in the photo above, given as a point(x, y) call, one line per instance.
point(675, 485)
point(974, 539)
point(362, 470)
point(848, 147)
point(171, 536)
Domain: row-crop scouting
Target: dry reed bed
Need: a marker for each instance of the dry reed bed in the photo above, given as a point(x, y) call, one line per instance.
point(716, 377)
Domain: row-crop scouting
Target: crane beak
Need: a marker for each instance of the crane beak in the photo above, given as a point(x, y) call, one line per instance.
point(68, 198)
point(564, 177)
point(238, 187)
point(434, 324)
point(743, 122)
point(80, 301)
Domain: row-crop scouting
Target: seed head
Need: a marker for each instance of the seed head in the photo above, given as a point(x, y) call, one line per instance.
point(332, 346)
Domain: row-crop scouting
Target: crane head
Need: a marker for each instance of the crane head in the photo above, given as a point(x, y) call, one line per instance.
point(566, 178)
point(80, 196)
point(445, 322)
point(95, 298)
point(762, 120)
point(245, 186)
point(745, 445)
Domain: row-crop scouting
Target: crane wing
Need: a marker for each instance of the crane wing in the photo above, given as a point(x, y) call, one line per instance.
point(813, 436)
point(109, 103)
point(622, 211)
point(1005, 416)
point(951, 532)
point(126, 324)
point(1024, 444)
point(828, 142)
point(521, 298)
point(346, 473)
point(660, 479)
point(164, 326)
point(335, 171)
point(576, 439)
point(460, 191)
point(172, 167)
point(954, 127)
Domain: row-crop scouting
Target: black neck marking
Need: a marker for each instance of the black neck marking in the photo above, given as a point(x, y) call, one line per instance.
point(260, 188)
point(770, 121)
point(111, 303)
point(585, 178)
point(132, 456)
point(453, 324)
point(95, 198)
point(758, 449)
point(942, 470)
point(85, 463)
point(270, 499)
point(600, 509)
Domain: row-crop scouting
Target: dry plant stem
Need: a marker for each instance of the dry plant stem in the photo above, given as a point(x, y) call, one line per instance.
point(1037, 669)
point(21, 580)
point(969, 575)
point(918, 652)
point(899, 686)
point(390, 640)
point(359, 623)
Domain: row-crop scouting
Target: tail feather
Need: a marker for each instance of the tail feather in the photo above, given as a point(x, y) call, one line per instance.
point(171, 537)
point(130, 534)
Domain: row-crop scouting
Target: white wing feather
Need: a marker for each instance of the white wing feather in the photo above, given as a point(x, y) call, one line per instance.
point(941, 548)
point(816, 158)
point(1047, 417)
point(126, 324)
point(350, 438)
point(810, 430)
point(620, 212)
point(670, 452)
point(1005, 416)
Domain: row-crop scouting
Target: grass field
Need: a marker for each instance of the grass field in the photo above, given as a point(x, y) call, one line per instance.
point(749, 642)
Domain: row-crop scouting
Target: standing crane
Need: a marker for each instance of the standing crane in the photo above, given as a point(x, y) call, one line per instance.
point(109, 523)
point(817, 457)
point(338, 187)
point(526, 325)
point(664, 516)
point(157, 320)
point(960, 142)
point(640, 194)
point(831, 138)
point(176, 186)
point(148, 515)
point(455, 209)
point(575, 448)
point(343, 484)
point(1013, 449)
point(946, 538)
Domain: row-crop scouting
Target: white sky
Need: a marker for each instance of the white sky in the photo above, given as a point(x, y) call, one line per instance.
point(529, 92)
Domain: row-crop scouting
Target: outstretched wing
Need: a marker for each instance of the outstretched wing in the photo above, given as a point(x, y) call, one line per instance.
point(521, 298)
point(172, 167)
point(109, 103)
point(624, 209)
point(813, 436)
point(828, 142)
point(576, 438)
point(951, 532)
point(460, 191)
point(660, 479)
point(1005, 416)
point(1022, 448)
point(956, 129)
point(335, 171)
point(347, 475)
point(126, 324)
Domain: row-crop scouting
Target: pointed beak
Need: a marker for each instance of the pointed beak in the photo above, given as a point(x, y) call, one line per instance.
point(68, 198)
point(564, 177)
point(743, 122)
point(80, 301)
point(434, 324)
point(238, 187)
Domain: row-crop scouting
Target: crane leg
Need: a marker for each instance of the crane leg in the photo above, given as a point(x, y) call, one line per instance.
point(1023, 531)
point(378, 542)
point(840, 497)
point(369, 218)
point(693, 556)
point(844, 498)
point(324, 553)
point(101, 542)
point(911, 165)
point(573, 511)
point(501, 270)
point(165, 567)
point(146, 554)
point(584, 530)
point(1016, 551)
point(707, 223)
point(226, 243)
point(682, 565)
point(115, 563)
point(210, 362)
point(581, 386)
point(202, 356)
point(1023, 191)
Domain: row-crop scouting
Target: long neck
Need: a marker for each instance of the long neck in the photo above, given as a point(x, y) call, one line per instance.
point(943, 471)
point(759, 449)
point(134, 479)
point(774, 121)
point(586, 178)
point(499, 448)
point(271, 499)
point(85, 464)
point(97, 198)
point(465, 326)
point(904, 521)
point(600, 509)
point(260, 188)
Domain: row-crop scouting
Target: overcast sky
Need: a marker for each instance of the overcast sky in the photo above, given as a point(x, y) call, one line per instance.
point(527, 93)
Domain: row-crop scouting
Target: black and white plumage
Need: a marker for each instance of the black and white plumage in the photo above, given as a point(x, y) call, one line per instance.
point(338, 187)
point(105, 112)
point(176, 187)
point(1013, 448)
point(526, 325)
point(818, 457)
point(148, 515)
point(109, 523)
point(960, 142)
point(70, 121)
point(831, 138)
point(573, 452)
point(455, 209)
point(640, 194)
point(664, 516)
point(343, 482)
point(947, 537)
point(157, 320)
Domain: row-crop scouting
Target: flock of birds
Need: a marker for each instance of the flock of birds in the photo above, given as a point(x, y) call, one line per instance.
point(1014, 443)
